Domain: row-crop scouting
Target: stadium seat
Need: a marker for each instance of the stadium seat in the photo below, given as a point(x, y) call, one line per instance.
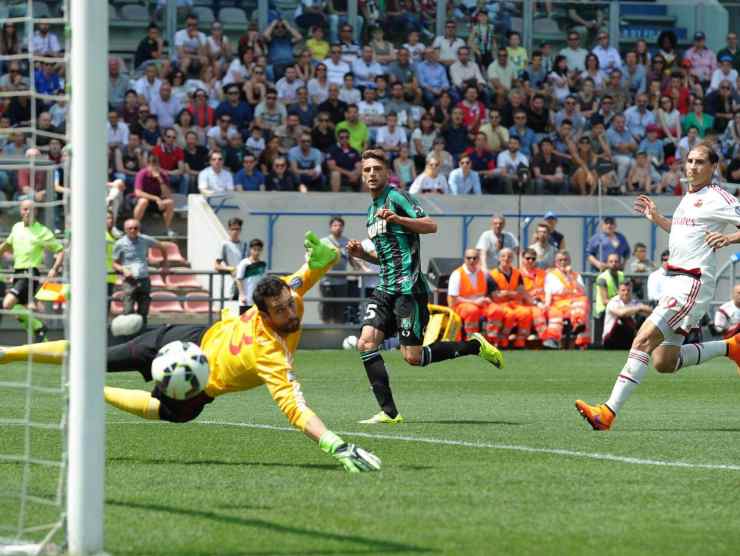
point(134, 12)
point(173, 255)
point(195, 302)
point(182, 282)
point(157, 282)
point(232, 16)
point(205, 15)
point(165, 302)
point(40, 10)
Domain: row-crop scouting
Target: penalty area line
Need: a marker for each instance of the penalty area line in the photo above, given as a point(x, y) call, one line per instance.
point(477, 445)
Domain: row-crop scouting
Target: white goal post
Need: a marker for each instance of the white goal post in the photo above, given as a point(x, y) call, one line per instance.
point(87, 327)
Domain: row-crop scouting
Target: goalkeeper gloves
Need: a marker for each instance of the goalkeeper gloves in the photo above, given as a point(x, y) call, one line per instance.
point(318, 253)
point(353, 458)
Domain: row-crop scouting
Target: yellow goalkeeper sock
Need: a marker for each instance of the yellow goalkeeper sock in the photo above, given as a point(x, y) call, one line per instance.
point(136, 402)
point(46, 352)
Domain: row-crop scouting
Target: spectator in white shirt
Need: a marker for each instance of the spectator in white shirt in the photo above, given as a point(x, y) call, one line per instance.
point(365, 68)
point(219, 135)
point(190, 45)
point(727, 317)
point(620, 324)
point(215, 180)
point(723, 73)
point(464, 180)
point(43, 42)
point(430, 180)
point(463, 70)
point(608, 56)
point(147, 86)
point(391, 137)
point(508, 164)
point(449, 44)
point(371, 110)
point(574, 53)
point(117, 131)
point(287, 87)
point(165, 106)
point(347, 92)
point(336, 68)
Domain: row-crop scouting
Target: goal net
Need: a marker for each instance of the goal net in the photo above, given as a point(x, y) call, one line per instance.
point(39, 412)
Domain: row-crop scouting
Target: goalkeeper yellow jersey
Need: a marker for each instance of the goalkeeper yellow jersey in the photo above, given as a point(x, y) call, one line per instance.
point(244, 352)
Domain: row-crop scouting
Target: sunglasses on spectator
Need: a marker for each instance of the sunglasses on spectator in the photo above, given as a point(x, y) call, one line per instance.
point(258, 72)
point(471, 258)
point(530, 258)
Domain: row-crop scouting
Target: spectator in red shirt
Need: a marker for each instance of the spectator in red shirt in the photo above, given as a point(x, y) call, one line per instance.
point(151, 188)
point(474, 111)
point(483, 161)
point(172, 160)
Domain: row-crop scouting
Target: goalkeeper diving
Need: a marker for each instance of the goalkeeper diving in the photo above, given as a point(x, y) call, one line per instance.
point(243, 352)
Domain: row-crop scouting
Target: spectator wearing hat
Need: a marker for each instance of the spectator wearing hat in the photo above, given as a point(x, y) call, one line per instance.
point(731, 50)
point(703, 60)
point(725, 72)
point(721, 105)
point(556, 238)
point(606, 242)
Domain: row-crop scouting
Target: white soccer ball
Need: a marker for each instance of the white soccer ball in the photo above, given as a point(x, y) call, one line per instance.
point(181, 370)
point(349, 343)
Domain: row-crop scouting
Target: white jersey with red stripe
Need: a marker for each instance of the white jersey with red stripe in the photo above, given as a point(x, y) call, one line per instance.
point(710, 209)
point(727, 316)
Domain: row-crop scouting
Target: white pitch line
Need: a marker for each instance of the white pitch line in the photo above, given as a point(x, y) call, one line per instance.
point(479, 445)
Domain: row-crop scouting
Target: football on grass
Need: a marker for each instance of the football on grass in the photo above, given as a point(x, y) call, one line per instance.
point(181, 370)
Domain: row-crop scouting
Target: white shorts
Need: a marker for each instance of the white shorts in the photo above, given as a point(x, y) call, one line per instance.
point(681, 310)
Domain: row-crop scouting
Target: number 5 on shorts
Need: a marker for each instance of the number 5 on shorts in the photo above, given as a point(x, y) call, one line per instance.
point(370, 311)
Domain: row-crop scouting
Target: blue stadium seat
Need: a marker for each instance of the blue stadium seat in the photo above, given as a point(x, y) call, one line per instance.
point(205, 15)
point(232, 16)
point(134, 12)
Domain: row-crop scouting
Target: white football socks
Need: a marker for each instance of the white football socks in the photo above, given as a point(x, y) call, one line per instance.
point(696, 354)
point(628, 379)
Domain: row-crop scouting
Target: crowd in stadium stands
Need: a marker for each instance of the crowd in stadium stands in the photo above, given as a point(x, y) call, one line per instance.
point(290, 107)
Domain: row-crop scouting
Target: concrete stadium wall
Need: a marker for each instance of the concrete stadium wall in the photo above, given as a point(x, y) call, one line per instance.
point(206, 230)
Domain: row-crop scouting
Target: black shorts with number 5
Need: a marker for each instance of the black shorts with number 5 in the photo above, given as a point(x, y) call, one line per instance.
point(404, 314)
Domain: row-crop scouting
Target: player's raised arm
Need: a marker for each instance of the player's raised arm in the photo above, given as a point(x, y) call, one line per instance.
point(646, 206)
point(320, 257)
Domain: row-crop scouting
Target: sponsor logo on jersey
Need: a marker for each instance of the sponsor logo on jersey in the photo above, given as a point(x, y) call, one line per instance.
point(698, 203)
point(684, 221)
point(378, 227)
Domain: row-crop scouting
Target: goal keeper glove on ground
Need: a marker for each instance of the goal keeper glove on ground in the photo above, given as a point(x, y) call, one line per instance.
point(353, 458)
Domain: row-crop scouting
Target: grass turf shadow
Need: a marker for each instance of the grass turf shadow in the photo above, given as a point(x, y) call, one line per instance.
point(367, 545)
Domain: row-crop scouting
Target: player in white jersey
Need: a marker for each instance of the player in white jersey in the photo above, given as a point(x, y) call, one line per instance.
point(695, 233)
point(727, 317)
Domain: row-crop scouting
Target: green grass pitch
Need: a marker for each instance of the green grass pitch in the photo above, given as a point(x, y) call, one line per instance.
point(508, 466)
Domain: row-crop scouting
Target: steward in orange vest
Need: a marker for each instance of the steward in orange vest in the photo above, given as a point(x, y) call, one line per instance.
point(534, 285)
point(511, 304)
point(467, 292)
point(565, 299)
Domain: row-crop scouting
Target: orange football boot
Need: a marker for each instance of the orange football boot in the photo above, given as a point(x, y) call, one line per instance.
point(600, 417)
point(733, 350)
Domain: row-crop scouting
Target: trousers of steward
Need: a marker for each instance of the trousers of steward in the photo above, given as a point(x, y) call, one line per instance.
point(503, 316)
point(471, 313)
point(534, 285)
point(572, 305)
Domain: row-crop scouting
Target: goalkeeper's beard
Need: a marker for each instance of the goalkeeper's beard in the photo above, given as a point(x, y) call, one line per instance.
point(293, 325)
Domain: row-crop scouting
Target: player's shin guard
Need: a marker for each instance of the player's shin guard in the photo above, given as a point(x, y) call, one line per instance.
point(379, 381)
point(46, 352)
point(632, 373)
point(696, 354)
point(441, 351)
point(135, 402)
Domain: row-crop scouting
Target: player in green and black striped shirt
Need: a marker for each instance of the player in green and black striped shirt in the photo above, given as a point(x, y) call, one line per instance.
point(399, 303)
